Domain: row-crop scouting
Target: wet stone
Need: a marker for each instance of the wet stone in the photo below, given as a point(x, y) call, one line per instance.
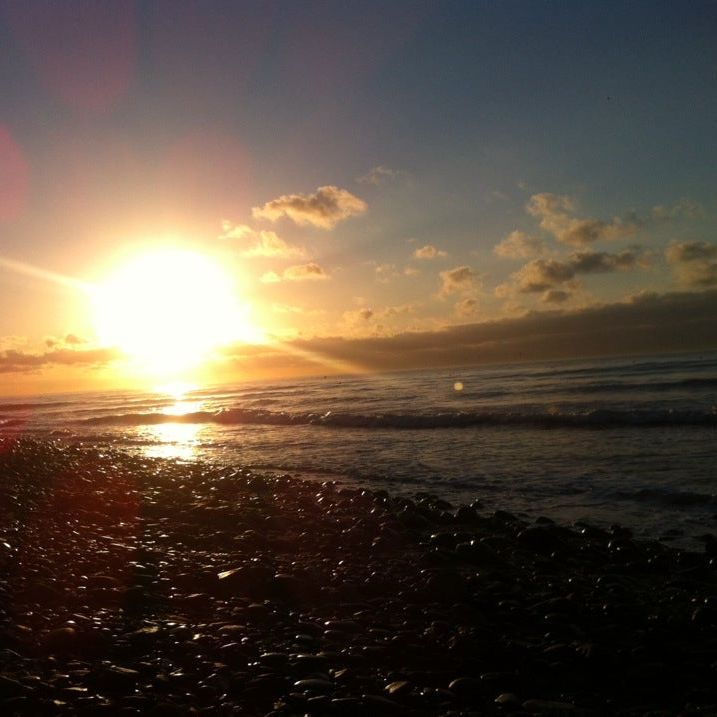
point(314, 685)
point(397, 688)
point(466, 687)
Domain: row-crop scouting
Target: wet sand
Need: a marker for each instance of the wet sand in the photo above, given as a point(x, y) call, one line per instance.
point(134, 586)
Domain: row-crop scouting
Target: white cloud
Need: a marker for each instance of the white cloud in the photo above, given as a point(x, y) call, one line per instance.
point(305, 272)
point(519, 245)
point(381, 175)
point(324, 209)
point(255, 243)
point(467, 306)
point(429, 252)
point(462, 279)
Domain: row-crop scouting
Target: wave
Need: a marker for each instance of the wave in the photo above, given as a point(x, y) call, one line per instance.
point(594, 419)
point(699, 383)
point(666, 496)
point(30, 406)
point(12, 423)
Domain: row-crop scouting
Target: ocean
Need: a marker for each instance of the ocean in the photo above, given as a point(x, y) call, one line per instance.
point(629, 440)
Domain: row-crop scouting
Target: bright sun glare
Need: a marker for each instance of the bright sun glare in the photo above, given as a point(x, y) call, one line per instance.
point(169, 308)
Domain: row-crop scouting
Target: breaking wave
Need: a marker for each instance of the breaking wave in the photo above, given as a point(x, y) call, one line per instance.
point(594, 419)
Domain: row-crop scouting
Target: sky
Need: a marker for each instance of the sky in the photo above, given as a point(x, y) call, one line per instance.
point(380, 185)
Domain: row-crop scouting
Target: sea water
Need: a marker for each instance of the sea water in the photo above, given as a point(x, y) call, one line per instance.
point(629, 441)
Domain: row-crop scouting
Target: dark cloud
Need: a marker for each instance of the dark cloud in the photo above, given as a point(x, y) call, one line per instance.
point(14, 361)
point(645, 324)
point(555, 213)
point(555, 296)
point(694, 263)
point(667, 322)
point(543, 274)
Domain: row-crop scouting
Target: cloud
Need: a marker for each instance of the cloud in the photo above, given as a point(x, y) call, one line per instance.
point(259, 243)
point(12, 342)
point(386, 272)
point(429, 252)
point(641, 325)
point(270, 277)
point(358, 315)
point(456, 281)
point(555, 296)
point(324, 209)
point(379, 321)
point(381, 175)
point(694, 263)
point(304, 272)
point(467, 306)
point(68, 340)
point(600, 262)
point(15, 361)
point(518, 245)
point(555, 214)
point(683, 209)
point(542, 274)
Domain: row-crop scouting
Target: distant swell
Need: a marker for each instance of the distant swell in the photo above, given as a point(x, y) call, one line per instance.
point(32, 406)
point(597, 419)
point(697, 383)
point(664, 496)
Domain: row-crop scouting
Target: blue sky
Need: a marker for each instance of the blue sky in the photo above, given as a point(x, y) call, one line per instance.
point(127, 124)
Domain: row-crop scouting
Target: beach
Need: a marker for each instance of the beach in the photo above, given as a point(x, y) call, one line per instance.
point(134, 585)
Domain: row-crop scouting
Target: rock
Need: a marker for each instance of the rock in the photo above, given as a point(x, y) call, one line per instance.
point(62, 640)
point(116, 679)
point(508, 700)
point(377, 704)
point(542, 539)
point(397, 688)
point(546, 707)
point(466, 687)
point(11, 688)
point(306, 664)
point(314, 685)
point(274, 659)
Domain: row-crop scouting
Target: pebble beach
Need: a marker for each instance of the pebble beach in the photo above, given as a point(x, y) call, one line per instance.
point(139, 586)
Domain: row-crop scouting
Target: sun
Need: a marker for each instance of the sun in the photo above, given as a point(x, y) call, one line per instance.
point(169, 308)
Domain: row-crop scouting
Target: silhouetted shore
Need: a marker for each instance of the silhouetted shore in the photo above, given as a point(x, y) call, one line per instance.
point(137, 586)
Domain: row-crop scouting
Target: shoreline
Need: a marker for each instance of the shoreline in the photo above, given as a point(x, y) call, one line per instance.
point(142, 586)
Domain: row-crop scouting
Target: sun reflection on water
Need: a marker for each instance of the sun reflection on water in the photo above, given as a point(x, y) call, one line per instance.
point(177, 441)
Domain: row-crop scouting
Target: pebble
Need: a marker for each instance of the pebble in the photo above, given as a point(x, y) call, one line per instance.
point(178, 589)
